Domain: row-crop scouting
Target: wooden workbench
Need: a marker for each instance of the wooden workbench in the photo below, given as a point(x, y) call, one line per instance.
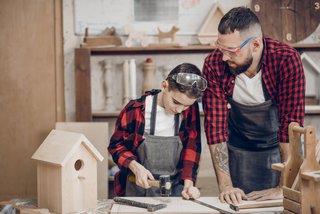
point(181, 206)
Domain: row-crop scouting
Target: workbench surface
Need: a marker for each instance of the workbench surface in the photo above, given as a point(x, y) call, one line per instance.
point(181, 206)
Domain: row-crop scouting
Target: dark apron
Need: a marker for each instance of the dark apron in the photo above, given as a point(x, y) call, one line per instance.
point(253, 144)
point(160, 155)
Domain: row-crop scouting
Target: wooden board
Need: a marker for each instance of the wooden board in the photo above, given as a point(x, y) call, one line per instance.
point(181, 206)
point(31, 64)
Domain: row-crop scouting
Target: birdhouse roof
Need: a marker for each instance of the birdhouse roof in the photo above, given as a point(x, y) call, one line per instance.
point(210, 25)
point(311, 60)
point(59, 146)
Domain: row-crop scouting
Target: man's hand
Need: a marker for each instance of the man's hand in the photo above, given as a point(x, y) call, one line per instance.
point(232, 195)
point(190, 191)
point(142, 174)
point(220, 161)
point(267, 194)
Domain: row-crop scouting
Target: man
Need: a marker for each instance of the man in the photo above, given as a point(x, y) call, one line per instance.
point(149, 140)
point(256, 87)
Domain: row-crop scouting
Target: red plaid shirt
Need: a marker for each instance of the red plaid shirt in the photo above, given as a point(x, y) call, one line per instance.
point(283, 75)
point(128, 135)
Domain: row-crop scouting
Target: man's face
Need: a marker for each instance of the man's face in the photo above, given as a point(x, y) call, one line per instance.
point(174, 101)
point(236, 51)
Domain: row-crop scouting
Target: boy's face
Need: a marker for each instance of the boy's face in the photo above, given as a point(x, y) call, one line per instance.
point(174, 101)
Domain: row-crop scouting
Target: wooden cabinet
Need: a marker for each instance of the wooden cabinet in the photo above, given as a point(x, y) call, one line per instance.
point(83, 71)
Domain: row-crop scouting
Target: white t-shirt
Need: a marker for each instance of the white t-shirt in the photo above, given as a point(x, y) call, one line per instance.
point(164, 121)
point(248, 91)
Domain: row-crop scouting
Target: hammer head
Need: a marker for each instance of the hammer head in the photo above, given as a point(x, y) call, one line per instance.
point(165, 185)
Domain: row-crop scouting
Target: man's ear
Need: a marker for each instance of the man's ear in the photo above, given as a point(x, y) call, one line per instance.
point(257, 44)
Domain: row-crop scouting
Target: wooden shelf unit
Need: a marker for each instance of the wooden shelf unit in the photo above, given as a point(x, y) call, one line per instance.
point(83, 71)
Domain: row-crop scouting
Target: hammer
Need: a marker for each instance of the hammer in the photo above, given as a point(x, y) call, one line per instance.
point(163, 183)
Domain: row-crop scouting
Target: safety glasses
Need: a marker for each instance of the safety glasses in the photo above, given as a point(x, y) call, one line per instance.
point(190, 80)
point(233, 51)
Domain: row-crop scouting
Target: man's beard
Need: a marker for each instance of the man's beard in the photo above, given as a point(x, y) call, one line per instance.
point(241, 68)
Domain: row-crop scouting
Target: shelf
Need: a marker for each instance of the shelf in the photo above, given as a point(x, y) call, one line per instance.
point(83, 70)
point(176, 49)
point(309, 110)
point(151, 50)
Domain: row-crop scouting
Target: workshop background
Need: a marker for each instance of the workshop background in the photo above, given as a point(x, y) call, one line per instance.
point(47, 78)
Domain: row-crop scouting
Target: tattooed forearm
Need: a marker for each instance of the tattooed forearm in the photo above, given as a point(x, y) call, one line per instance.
point(221, 158)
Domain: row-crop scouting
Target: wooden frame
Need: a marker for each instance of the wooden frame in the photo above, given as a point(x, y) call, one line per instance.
point(209, 30)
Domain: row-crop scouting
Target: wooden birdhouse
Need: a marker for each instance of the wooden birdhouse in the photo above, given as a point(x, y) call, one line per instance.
point(208, 33)
point(67, 172)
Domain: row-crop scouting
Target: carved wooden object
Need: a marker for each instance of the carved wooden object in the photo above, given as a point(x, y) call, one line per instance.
point(169, 34)
point(108, 37)
point(149, 81)
point(300, 175)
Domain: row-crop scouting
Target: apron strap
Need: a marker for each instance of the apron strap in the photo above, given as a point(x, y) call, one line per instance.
point(176, 124)
point(153, 118)
point(153, 114)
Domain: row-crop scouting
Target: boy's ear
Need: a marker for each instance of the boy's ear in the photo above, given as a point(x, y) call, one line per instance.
point(164, 84)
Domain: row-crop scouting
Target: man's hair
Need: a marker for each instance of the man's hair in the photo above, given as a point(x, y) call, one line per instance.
point(239, 19)
point(190, 91)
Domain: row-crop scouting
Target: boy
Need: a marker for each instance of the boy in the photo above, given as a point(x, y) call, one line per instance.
point(149, 140)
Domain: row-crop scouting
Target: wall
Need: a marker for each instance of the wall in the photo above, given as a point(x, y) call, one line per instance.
point(71, 41)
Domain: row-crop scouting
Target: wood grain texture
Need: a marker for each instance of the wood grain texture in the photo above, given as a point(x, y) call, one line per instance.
point(181, 206)
point(28, 89)
point(83, 84)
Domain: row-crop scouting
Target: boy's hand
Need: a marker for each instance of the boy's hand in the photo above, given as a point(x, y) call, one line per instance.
point(141, 173)
point(190, 191)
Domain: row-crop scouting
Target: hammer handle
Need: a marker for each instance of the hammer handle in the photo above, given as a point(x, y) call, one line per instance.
point(153, 183)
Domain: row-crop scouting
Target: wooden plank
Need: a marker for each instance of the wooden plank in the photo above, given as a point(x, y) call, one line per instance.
point(181, 206)
point(258, 204)
point(28, 88)
point(287, 212)
point(291, 194)
point(60, 101)
point(83, 85)
point(292, 206)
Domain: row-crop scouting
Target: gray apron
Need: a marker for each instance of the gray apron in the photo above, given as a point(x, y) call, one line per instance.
point(160, 155)
point(253, 144)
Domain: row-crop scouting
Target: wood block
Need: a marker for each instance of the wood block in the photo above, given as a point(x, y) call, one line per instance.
point(292, 206)
point(101, 41)
point(287, 212)
point(291, 194)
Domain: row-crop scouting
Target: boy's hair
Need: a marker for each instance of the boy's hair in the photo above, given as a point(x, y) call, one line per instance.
point(239, 19)
point(190, 91)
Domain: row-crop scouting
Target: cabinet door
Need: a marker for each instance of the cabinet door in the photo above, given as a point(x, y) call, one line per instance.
point(288, 20)
point(30, 59)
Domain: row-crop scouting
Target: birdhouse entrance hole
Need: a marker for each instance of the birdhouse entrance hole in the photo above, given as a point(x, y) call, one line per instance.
point(78, 165)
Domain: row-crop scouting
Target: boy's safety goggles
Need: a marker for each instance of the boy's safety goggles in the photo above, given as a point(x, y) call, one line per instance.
point(190, 80)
